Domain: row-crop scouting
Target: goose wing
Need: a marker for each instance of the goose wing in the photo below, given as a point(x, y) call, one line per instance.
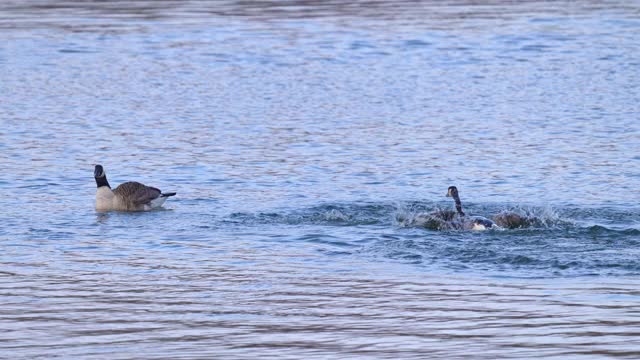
point(136, 192)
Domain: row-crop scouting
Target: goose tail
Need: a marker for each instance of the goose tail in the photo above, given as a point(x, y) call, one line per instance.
point(167, 194)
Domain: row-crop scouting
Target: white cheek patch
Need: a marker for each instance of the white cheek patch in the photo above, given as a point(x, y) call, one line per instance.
point(478, 227)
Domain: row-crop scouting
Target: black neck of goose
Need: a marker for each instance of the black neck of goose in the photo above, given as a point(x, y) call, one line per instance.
point(102, 181)
point(456, 198)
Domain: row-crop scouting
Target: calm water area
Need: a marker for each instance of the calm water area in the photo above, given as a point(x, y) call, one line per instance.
point(302, 138)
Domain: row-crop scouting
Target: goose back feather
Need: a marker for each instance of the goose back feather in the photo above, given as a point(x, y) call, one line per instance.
point(136, 193)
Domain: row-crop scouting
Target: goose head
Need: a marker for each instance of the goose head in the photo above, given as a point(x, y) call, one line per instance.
point(453, 192)
point(100, 176)
point(98, 172)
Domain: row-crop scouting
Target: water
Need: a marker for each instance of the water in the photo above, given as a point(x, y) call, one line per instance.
point(302, 139)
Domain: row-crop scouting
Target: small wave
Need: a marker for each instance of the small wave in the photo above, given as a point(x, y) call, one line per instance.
point(330, 214)
point(602, 230)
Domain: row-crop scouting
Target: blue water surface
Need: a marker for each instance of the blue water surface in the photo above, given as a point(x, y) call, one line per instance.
point(303, 139)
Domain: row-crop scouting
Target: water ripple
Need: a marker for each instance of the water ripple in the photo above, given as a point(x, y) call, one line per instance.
point(305, 139)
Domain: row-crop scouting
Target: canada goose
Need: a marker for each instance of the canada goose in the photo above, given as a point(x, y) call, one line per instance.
point(129, 196)
point(469, 222)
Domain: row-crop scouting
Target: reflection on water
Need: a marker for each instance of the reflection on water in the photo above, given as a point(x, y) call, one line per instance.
point(436, 14)
point(302, 138)
point(238, 310)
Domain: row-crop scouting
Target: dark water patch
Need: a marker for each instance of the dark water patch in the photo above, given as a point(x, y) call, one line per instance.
point(326, 239)
point(554, 243)
point(530, 220)
point(599, 230)
point(360, 45)
point(416, 43)
point(535, 48)
point(76, 51)
point(521, 255)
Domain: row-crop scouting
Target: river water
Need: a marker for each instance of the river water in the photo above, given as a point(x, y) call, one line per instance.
point(302, 138)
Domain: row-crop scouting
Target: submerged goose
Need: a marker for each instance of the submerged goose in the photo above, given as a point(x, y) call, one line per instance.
point(129, 196)
point(469, 222)
point(512, 220)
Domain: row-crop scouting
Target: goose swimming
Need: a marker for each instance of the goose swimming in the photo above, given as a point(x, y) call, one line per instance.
point(469, 222)
point(128, 196)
